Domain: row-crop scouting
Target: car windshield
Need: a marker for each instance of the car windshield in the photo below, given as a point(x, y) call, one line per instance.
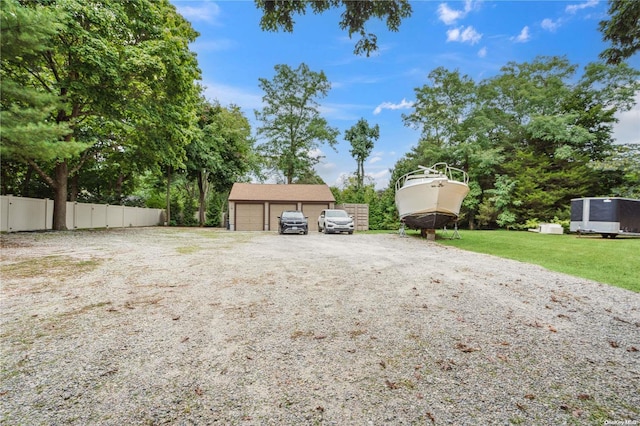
point(336, 213)
point(292, 215)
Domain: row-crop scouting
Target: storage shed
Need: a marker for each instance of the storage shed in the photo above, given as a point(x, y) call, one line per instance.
point(256, 207)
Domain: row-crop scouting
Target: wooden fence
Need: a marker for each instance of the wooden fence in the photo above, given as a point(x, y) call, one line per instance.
point(33, 214)
point(360, 213)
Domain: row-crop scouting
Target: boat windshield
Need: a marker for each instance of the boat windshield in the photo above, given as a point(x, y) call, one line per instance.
point(438, 170)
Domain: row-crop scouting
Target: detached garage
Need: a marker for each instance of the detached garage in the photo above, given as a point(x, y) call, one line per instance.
point(256, 207)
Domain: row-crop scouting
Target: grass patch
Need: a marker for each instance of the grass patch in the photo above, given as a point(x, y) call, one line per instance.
point(610, 261)
point(51, 266)
point(188, 249)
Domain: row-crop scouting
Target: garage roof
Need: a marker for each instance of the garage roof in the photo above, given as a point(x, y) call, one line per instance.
point(278, 192)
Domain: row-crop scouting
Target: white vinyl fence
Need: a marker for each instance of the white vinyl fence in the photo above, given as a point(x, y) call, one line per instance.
point(33, 214)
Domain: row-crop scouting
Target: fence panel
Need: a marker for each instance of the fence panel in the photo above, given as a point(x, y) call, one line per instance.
point(25, 214)
point(32, 214)
point(88, 216)
point(115, 216)
point(360, 213)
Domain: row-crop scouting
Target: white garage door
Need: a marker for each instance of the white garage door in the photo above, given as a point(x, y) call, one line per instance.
point(313, 211)
point(275, 210)
point(249, 217)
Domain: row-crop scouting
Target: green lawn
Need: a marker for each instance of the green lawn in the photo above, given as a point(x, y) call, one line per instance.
point(612, 261)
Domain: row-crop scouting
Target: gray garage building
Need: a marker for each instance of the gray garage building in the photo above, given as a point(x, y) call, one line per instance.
point(256, 207)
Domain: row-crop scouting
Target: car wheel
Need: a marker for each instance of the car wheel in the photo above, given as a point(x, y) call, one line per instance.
point(350, 232)
point(319, 227)
point(325, 230)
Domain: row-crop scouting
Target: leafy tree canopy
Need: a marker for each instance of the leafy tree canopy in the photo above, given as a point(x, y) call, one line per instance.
point(528, 137)
point(115, 73)
point(622, 29)
point(279, 15)
point(362, 138)
point(222, 151)
point(291, 122)
point(28, 130)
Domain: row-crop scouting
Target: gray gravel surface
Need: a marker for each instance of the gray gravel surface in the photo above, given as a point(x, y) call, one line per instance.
point(200, 326)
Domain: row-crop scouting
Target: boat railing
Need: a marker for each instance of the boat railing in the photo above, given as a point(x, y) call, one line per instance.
point(438, 170)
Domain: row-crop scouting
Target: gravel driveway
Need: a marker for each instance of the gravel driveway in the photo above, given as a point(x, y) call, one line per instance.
point(202, 326)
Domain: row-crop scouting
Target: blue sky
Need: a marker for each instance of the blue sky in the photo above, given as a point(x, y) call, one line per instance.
point(475, 37)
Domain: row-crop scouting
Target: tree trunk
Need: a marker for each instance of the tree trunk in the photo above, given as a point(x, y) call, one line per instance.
point(118, 188)
point(472, 222)
point(168, 220)
point(202, 190)
point(360, 173)
point(73, 196)
point(60, 197)
point(27, 181)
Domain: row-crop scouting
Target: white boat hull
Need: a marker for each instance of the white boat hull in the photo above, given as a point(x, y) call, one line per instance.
point(429, 202)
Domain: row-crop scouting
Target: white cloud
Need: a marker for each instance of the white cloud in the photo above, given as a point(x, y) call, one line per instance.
point(316, 153)
point(550, 24)
point(523, 37)
point(627, 129)
point(482, 52)
point(450, 16)
point(208, 12)
point(573, 8)
point(380, 178)
point(404, 104)
point(226, 95)
point(464, 35)
point(375, 159)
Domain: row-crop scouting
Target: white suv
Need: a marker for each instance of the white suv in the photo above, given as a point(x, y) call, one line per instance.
point(331, 220)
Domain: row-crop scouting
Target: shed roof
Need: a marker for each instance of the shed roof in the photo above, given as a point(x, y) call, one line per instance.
point(280, 192)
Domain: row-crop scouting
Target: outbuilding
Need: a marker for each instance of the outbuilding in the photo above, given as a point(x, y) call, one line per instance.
point(256, 207)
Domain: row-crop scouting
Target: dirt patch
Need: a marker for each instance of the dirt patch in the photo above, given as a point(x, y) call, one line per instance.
point(200, 326)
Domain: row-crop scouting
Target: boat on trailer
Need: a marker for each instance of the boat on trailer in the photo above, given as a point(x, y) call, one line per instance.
point(430, 197)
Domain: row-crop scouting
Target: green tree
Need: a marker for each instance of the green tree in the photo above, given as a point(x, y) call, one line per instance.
point(456, 129)
point(362, 138)
point(291, 120)
point(528, 137)
point(622, 29)
point(550, 129)
point(123, 63)
point(621, 168)
point(279, 15)
point(221, 154)
point(28, 130)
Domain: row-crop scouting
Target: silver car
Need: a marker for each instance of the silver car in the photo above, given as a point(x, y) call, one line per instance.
point(333, 220)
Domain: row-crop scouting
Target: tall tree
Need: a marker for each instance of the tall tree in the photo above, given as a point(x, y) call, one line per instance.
point(124, 62)
point(27, 130)
point(622, 29)
point(279, 15)
point(362, 138)
point(441, 107)
point(222, 153)
point(527, 136)
point(621, 167)
point(291, 120)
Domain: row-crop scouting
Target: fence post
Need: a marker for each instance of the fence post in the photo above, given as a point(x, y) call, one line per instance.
point(9, 203)
point(46, 212)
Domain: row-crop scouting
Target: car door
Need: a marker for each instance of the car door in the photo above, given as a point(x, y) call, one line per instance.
point(321, 220)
